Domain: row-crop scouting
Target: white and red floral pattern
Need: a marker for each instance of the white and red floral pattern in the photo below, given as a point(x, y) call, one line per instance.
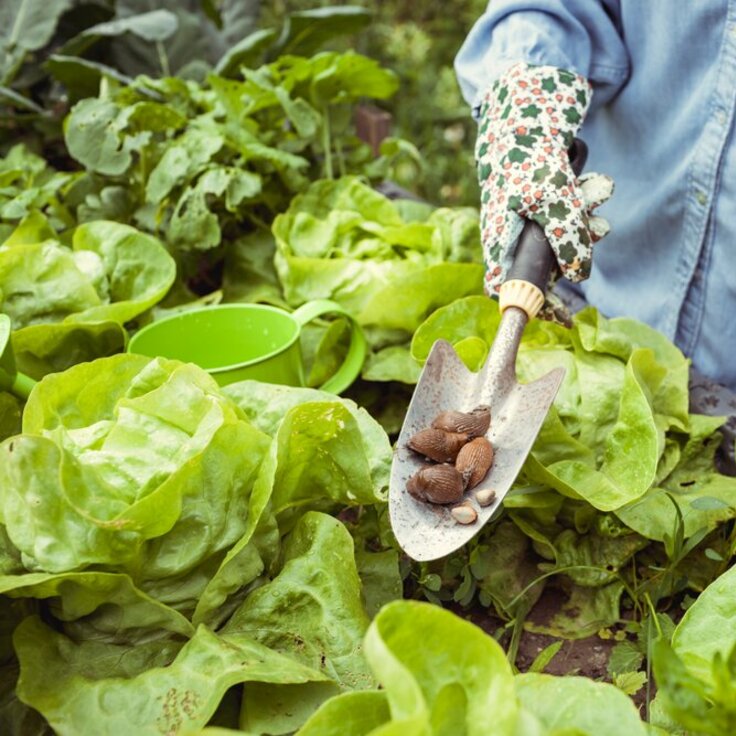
point(528, 120)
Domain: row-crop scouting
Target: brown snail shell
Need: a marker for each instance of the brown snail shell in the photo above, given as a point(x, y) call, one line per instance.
point(442, 447)
point(473, 423)
point(464, 514)
point(437, 484)
point(474, 461)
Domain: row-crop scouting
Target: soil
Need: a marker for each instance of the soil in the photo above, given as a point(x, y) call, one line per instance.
point(587, 657)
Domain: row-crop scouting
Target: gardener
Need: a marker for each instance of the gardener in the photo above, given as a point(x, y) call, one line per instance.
point(655, 83)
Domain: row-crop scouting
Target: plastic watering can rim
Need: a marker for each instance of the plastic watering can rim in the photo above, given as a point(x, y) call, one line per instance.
point(222, 308)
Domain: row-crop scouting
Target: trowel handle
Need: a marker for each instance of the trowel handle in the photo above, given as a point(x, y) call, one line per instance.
point(534, 259)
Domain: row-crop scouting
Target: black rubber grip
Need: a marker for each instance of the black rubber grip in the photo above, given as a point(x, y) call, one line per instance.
point(533, 258)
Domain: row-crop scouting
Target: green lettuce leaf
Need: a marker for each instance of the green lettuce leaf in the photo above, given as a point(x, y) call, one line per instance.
point(704, 497)
point(577, 705)
point(325, 451)
point(92, 688)
point(112, 272)
point(440, 674)
point(148, 470)
point(587, 611)
point(311, 611)
point(380, 578)
point(708, 627)
point(349, 714)
point(127, 611)
point(344, 241)
point(51, 348)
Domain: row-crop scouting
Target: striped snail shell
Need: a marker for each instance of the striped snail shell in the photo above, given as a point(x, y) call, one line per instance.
point(473, 423)
point(474, 461)
point(442, 447)
point(437, 484)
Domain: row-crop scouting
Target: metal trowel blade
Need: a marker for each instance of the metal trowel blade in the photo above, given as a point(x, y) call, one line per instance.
point(426, 531)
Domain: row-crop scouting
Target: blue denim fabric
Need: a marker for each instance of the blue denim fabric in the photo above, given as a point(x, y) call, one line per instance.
point(661, 122)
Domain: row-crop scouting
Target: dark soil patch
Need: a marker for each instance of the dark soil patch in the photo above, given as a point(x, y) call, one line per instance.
point(586, 657)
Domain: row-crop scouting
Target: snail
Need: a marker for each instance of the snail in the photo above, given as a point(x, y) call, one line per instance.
point(474, 423)
point(442, 447)
point(439, 484)
point(474, 460)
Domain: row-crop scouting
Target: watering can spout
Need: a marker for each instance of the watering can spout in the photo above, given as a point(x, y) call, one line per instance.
point(10, 380)
point(22, 385)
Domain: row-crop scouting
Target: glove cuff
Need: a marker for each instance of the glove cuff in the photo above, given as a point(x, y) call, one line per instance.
point(532, 104)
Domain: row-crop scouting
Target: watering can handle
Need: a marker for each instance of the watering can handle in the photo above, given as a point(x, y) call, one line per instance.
point(351, 366)
point(534, 259)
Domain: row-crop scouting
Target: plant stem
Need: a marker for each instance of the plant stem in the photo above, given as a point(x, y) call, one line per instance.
point(340, 157)
point(513, 650)
point(326, 142)
point(163, 59)
point(652, 617)
point(556, 571)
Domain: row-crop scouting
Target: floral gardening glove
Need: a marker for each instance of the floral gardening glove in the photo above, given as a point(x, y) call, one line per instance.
point(528, 120)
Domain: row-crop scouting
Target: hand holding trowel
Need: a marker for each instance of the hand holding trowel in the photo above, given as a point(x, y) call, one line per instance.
point(427, 531)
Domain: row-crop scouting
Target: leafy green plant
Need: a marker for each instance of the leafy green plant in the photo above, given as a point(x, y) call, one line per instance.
point(696, 673)
point(577, 515)
point(141, 510)
point(389, 265)
point(443, 675)
point(208, 162)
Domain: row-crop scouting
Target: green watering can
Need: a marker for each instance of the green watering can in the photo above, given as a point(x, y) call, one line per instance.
point(10, 379)
point(234, 342)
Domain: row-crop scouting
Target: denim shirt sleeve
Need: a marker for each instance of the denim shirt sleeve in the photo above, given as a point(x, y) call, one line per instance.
point(580, 35)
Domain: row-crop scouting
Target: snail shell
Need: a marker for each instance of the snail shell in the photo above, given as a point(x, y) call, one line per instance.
point(442, 447)
point(474, 461)
point(464, 514)
point(474, 423)
point(436, 484)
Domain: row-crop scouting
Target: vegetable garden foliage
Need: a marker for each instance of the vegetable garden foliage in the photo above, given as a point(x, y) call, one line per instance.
point(180, 558)
point(164, 542)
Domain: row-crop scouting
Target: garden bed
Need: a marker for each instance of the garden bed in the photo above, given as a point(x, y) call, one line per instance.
point(182, 557)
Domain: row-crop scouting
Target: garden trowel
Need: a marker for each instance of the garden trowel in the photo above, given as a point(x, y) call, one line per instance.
point(10, 380)
point(427, 531)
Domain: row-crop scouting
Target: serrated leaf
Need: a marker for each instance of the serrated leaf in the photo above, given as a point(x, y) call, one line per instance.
point(625, 657)
point(630, 682)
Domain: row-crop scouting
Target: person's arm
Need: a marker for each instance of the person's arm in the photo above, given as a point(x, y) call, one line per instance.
point(525, 68)
point(582, 36)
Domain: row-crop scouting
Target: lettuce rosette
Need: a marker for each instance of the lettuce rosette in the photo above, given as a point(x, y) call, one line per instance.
point(343, 240)
point(154, 530)
point(389, 263)
point(620, 472)
point(68, 302)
